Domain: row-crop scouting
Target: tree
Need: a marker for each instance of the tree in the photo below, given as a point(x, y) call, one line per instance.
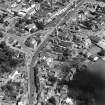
point(39, 25)
point(52, 101)
point(87, 83)
point(1, 34)
point(39, 1)
point(101, 0)
point(7, 62)
point(101, 53)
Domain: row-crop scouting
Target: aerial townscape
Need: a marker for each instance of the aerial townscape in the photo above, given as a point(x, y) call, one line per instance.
point(52, 52)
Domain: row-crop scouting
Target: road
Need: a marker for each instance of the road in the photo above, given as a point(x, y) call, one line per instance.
point(31, 71)
point(69, 6)
point(34, 58)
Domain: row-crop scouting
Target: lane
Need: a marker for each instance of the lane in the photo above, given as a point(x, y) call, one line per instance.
point(34, 58)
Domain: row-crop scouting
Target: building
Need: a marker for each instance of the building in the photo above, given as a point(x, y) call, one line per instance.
point(14, 74)
point(101, 44)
